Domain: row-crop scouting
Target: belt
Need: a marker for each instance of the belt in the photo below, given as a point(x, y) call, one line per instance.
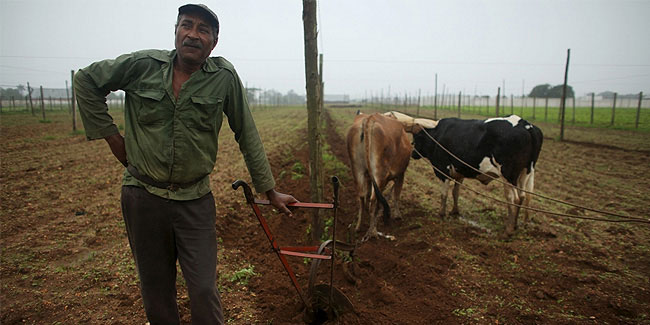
point(164, 185)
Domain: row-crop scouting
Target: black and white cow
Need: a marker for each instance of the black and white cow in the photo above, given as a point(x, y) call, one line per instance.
point(505, 147)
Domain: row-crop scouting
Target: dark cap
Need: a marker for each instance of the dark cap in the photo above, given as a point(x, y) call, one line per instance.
point(202, 9)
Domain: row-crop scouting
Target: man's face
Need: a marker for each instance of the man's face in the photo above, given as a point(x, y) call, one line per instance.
point(195, 38)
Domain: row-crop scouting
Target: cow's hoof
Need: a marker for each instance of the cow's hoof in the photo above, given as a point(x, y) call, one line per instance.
point(368, 236)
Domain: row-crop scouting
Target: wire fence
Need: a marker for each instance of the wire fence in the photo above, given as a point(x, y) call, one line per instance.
point(619, 113)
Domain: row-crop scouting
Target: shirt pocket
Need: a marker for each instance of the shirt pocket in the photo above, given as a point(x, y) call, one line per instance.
point(204, 114)
point(151, 110)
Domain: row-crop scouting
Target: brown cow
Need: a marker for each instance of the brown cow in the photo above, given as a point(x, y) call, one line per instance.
point(379, 152)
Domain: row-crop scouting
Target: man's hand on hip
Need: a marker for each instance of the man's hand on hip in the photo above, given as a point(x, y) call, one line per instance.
point(280, 201)
point(116, 142)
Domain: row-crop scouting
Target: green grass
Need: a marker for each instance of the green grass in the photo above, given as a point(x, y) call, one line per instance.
point(625, 118)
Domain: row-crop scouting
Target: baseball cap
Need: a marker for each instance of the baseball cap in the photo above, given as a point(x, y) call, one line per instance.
point(203, 9)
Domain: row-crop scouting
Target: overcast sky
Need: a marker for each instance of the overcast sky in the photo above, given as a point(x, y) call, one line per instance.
point(369, 46)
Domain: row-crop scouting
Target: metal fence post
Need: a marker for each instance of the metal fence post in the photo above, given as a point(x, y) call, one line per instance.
point(638, 111)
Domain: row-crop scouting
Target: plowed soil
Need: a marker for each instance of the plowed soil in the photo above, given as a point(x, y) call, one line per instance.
point(65, 256)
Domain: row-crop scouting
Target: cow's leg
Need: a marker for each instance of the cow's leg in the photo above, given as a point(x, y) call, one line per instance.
point(372, 228)
point(364, 203)
point(528, 184)
point(444, 192)
point(457, 182)
point(513, 211)
point(397, 190)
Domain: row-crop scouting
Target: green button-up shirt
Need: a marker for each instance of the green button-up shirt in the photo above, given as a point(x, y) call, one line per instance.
point(168, 139)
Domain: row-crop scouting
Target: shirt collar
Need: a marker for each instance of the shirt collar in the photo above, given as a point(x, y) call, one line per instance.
point(208, 65)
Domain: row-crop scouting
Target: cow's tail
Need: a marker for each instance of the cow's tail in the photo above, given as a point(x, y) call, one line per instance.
point(537, 138)
point(367, 130)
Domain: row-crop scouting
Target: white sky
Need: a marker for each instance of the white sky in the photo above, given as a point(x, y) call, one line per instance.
point(368, 45)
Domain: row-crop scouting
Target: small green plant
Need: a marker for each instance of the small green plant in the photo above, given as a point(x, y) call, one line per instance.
point(243, 275)
point(297, 171)
point(465, 312)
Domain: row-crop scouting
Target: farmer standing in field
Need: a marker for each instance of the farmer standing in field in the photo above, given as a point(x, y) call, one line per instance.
point(174, 108)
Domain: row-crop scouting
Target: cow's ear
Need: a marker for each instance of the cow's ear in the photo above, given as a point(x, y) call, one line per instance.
point(416, 128)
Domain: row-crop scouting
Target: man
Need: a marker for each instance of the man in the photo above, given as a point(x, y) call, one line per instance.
point(175, 102)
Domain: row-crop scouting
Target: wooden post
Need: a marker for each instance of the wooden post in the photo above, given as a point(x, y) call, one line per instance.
point(67, 95)
point(638, 110)
point(419, 102)
point(534, 104)
point(29, 94)
point(488, 106)
point(591, 121)
point(321, 107)
point(498, 99)
point(613, 110)
point(13, 103)
point(546, 109)
point(512, 105)
point(573, 118)
point(42, 104)
point(563, 100)
point(312, 86)
point(435, 100)
point(72, 101)
point(459, 94)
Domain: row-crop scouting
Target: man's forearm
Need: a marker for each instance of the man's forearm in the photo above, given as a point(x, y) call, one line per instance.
point(116, 142)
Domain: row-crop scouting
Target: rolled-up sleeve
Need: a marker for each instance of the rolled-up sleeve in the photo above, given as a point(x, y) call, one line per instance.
point(241, 122)
point(91, 85)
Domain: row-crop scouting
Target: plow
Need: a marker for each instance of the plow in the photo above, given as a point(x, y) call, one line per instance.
point(322, 301)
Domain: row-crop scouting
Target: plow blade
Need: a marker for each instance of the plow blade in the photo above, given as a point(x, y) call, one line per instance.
point(322, 309)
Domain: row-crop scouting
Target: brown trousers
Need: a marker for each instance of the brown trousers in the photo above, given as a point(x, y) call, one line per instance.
point(162, 231)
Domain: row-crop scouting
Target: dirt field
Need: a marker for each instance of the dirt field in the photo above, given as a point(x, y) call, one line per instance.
point(65, 257)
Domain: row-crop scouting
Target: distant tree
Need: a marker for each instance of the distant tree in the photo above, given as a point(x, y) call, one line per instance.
point(540, 91)
point(556, 92)
point(552, 92)
point(607, 94)
point(12, 92)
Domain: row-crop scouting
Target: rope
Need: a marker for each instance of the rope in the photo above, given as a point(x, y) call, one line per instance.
point(529, 192)
point(639, 220)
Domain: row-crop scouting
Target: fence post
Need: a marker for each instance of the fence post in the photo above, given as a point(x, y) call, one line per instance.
point(459, 94)
point(74, 115)
point(497, 103)
point(638, 111)
point(487, 108)
point(546, 109)
point(67, 95)
point(534, 106)
point(29, 93)
point(42, 104)
point(13, 103)
point(419, 102)
point(573, 118)
point(563, 101)
point(512, 105)
point(591, 121)
point(613, 109)
point(435, 100)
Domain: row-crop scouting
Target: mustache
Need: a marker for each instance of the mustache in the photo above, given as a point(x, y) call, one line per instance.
point(191, 43)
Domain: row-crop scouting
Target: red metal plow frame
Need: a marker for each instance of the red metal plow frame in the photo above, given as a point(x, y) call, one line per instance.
point(299, 251)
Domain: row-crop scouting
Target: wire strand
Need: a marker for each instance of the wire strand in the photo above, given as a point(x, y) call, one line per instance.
point(638, 220)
